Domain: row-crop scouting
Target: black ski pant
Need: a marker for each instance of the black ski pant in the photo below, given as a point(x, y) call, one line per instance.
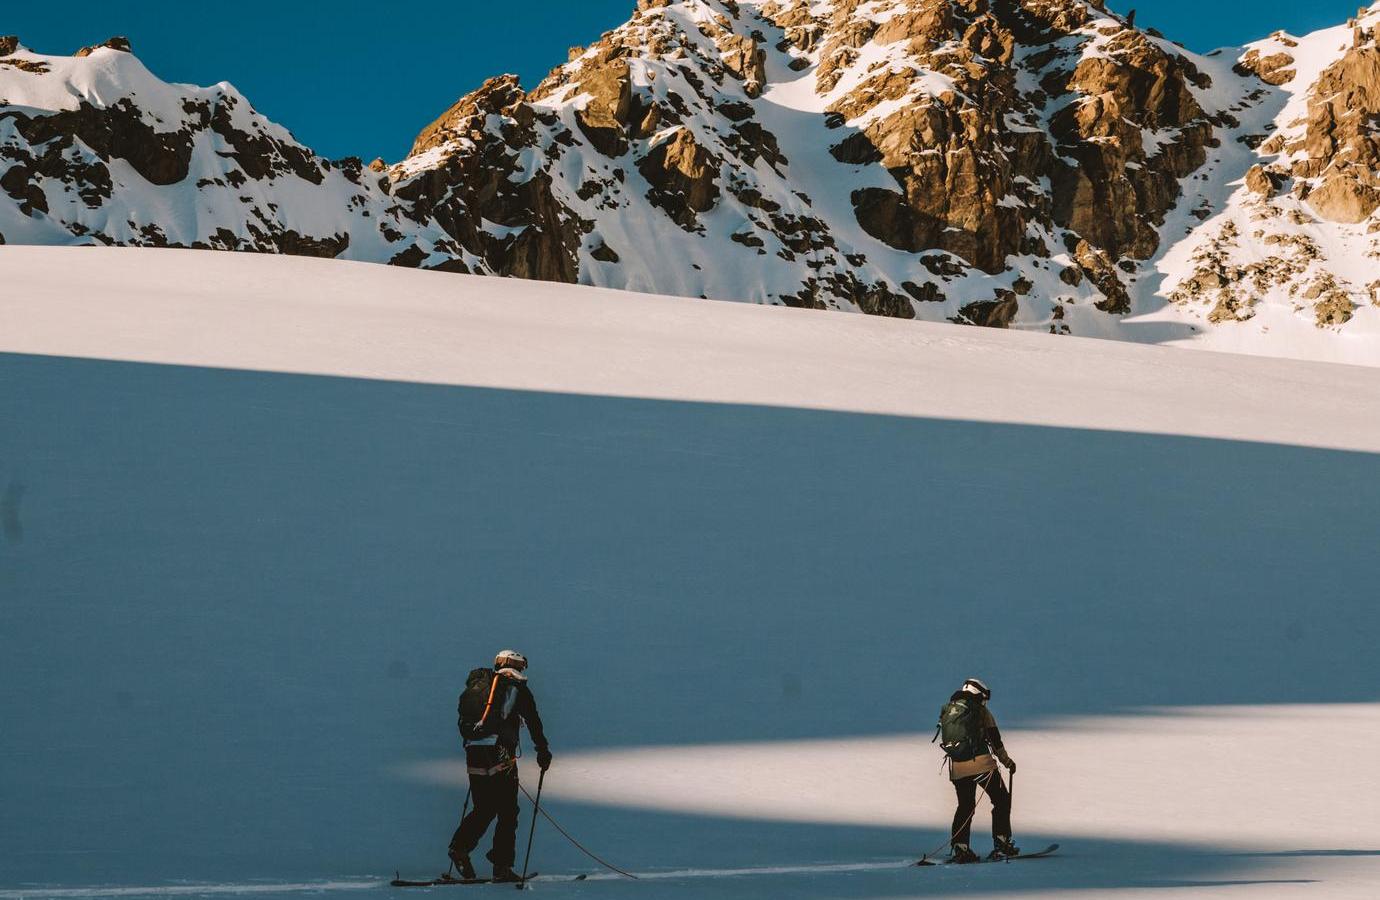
point(967, 789)
point(493, 797)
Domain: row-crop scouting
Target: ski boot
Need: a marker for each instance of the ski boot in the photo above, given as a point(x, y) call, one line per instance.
point(505, 875)
point(462, 862)
point(962, 855)
point(1003, 848)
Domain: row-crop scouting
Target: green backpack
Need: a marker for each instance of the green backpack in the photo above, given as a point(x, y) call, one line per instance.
point(960, 729)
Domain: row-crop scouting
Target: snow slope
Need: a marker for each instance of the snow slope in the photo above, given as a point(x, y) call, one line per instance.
point(258, 515)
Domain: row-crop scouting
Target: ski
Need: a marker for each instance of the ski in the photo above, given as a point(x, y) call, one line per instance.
point(444, 880)
point(1038, 854)
point(399, 881)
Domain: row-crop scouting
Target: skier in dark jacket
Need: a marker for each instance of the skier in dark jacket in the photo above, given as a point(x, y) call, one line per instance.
point(491, 755)
point(976, 767)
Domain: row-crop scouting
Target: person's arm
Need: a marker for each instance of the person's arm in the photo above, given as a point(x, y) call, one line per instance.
point(993, 735)
point(527, 708)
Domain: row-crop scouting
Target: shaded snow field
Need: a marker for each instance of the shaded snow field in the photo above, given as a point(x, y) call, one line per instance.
point(259, 515)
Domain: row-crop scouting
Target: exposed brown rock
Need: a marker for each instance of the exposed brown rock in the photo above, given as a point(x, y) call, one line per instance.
point(1275, 69)
point(1346, 196)
point(949, 199)
point(33, 67)
point(502, 94)
point(8, 44)
point(1105, 198)
point(1335, 308)
point(996, 313)
point(604, 118)
point(683, 176)
point(1100, 271)
point(745, 59)
point(1340, 142)
point(116, 43)
point(472, 184)
point(1261, 182)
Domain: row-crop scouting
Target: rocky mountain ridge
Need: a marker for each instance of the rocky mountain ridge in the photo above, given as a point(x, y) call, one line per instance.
point(1015, 163)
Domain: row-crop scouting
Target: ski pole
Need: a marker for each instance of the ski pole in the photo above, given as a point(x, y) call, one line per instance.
point(536, 808)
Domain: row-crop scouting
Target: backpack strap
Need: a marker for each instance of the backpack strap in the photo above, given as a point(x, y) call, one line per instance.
point(493, 688)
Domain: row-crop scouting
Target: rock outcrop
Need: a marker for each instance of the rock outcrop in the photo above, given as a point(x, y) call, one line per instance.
point(1341, 142)
point(1274, 68)
point(683, 176)
point(129, 159)
point(116, 43)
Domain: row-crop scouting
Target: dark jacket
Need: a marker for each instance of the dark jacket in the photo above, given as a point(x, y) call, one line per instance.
point(497, 743)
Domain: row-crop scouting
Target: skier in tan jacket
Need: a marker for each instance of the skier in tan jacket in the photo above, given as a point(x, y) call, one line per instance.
point(973, 744)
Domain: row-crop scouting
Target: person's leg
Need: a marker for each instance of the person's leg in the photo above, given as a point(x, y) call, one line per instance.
point(966, 789)
point(1001, 805)
point(506, 808)
point(1002, 845)
point(473, 826)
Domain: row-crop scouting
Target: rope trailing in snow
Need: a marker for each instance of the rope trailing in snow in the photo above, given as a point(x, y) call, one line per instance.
point(565, 834)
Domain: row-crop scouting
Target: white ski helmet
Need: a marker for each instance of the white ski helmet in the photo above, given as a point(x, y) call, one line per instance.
point(510, 659)
point(976, 687)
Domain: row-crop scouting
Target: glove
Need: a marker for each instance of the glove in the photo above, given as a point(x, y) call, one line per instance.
point(1010, 763)
point(543, 759)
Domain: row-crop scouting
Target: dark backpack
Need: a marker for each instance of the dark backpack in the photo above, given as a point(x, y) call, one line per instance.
point(476, 719)
point(960, 729)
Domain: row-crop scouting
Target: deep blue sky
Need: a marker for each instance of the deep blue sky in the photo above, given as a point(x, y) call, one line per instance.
point(362, 79)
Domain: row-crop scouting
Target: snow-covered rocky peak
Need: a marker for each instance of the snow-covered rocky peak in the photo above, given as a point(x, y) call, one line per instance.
point(986, 163)
point(96, 149)
point(1041, 164)
point(1300, 235)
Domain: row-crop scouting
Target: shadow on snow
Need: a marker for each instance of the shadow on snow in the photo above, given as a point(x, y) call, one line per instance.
point(232, 601)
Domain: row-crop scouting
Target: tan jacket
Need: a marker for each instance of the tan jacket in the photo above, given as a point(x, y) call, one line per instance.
point(980, 765)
